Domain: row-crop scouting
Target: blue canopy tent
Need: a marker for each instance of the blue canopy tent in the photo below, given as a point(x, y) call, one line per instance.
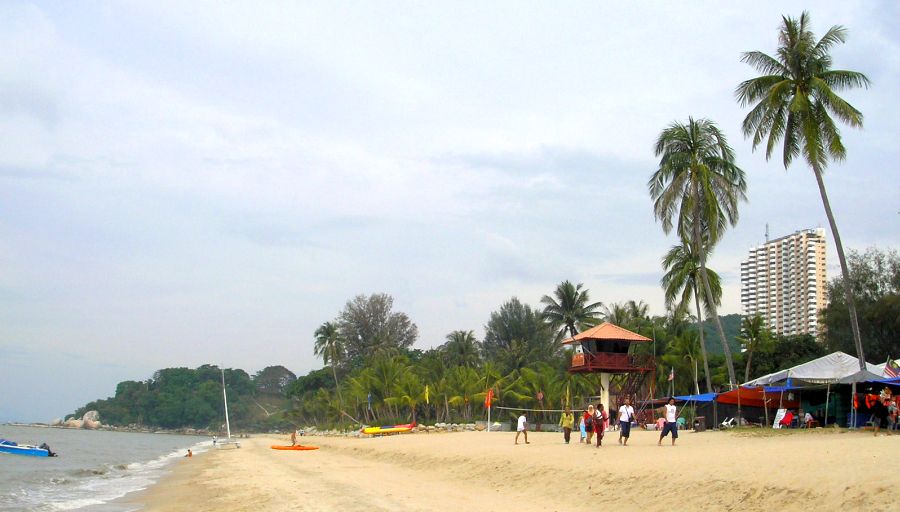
point(704, 398)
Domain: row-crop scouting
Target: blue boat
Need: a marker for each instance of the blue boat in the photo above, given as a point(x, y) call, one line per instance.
point(25, 449)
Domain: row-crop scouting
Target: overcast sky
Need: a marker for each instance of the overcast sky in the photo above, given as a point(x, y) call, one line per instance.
point(206, 182)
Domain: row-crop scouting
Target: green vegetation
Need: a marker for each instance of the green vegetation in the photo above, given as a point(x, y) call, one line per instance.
point(697, 189)
point(875, 285)
point(372, 374)
point(794, 101)
point(184, 397)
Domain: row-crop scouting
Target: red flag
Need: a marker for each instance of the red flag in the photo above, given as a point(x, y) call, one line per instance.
point(488, 398)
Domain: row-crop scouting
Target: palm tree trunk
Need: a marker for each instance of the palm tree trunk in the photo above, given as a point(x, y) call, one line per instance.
point(845, 272)
point(696, 379)
point(711, 302)
point(749, 360)
point(702, 341)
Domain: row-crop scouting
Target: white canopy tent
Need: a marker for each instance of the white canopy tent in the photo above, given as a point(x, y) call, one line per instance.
point(824, 370)
point(831, 369)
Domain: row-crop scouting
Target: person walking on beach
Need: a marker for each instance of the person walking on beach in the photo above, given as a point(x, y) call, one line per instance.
point(581, 426)
point(589, 423)
point(294, 438)
point(626, 415)
point(601, 420)
point(522, 428)
point(671, 424)
point(567, 421)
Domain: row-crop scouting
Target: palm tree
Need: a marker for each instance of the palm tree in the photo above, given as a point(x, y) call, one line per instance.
point(754, 336)
point(570, 311)
point(795, 100)
point(330, 345)
point(462, 349)
point(408, 391)
point(682, 278)
point(685, 348)
point(616, 313)
point(697, 187)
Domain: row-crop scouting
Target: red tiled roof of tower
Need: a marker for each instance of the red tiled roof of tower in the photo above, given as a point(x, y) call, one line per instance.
point(608, 331)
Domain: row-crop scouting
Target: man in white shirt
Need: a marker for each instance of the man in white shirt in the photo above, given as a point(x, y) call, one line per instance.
point(522, 428)
point(626, 416)
point(671, 423)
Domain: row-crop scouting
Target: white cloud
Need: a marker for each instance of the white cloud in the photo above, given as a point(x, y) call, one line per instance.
point(189, 181)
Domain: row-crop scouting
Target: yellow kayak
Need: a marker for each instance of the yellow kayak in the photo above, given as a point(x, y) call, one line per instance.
point(388, 429)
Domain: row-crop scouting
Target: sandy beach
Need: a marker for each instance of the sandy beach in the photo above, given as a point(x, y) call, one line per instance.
point(755, 470)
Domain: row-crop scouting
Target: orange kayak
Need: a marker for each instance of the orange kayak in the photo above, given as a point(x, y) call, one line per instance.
point(295, 447)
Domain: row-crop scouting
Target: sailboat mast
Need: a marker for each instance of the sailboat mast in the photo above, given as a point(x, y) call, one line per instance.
point(225, 397)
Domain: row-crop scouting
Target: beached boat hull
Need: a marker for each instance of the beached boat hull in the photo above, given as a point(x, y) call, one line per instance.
point(23, 449)
point(295, 447)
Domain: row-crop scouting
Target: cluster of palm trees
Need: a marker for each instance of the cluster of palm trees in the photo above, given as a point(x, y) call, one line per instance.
point(697, 187)
point(696, 191)
point(449, 383)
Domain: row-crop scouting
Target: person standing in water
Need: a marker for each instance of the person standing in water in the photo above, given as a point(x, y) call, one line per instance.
point(567, 421)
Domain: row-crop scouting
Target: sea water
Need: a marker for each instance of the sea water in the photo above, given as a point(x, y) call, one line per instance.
point(93, 467)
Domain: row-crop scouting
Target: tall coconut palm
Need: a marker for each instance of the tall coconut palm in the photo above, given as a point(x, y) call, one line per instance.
point(794, 101)
point(754, 336)
point(697, 189)
point(571, 310)
point(330, 346)
point(462, 349)
point(682, 278)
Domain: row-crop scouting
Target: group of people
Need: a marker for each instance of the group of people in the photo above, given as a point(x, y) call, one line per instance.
point(594, 422)
point(884, 411)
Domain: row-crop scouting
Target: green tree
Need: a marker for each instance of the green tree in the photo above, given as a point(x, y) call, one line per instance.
point(274, 380)
point(370, 327)
point(794, 101)
point(571, 310)
point(697, 188)
point(784, 352)
point(684, 351)
point(682, 281)
point(754, 336)
point(461, 349)
point(517, 335)
point(875, 284)
point(330, 345)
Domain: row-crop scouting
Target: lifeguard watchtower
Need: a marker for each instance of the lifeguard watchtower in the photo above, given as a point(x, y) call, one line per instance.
point(605, 349)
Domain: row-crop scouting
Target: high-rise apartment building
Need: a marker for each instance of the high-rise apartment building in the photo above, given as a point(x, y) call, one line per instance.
point(784, 282)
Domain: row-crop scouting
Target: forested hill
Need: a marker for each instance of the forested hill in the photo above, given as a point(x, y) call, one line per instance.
point(185, 397)
point(731, 324)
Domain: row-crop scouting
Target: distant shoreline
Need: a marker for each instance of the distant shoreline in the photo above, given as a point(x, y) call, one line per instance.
point(126, 430)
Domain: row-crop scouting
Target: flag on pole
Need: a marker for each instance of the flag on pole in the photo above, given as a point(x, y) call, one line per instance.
point(891, 369)
point(488, 397)
point(672, 374)
point(426, 393)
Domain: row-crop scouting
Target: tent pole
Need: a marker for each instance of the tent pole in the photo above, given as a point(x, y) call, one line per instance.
point(853, 406)
point(827, 396)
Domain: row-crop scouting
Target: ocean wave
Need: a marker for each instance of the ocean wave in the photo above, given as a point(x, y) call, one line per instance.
point(89, 486)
